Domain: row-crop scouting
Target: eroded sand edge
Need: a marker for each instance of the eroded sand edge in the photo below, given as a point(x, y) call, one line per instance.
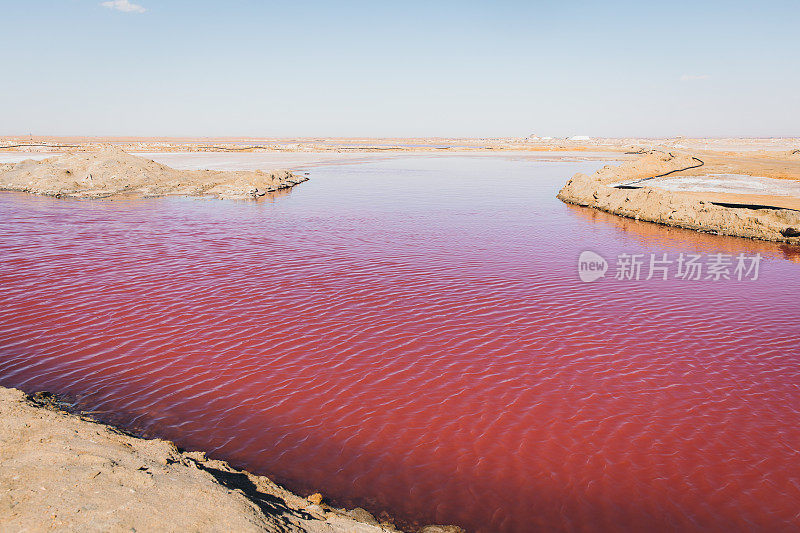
point(65, 472)
point(765, 217)
point(113, 172)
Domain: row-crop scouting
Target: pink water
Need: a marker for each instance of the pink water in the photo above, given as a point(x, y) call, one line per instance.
point(411, 336)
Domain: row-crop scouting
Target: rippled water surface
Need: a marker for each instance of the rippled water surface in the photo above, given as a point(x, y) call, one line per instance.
point(411, 335)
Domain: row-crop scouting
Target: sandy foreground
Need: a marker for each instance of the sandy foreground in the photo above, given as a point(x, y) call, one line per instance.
point(65, 472)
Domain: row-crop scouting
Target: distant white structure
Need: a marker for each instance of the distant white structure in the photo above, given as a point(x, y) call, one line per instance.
point(536, 138)
point(580, 138)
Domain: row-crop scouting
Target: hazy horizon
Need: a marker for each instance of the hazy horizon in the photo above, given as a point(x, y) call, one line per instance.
point(373, 137)
point(357, 69)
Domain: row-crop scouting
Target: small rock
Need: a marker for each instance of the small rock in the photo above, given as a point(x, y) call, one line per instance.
point(316, 511)
point(441, 529)
point(362, 515)
point(791, 232)
point(315, 498)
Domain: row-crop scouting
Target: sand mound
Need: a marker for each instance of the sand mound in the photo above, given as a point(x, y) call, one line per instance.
point(726, 214)
point(62, 472)
point(651, 163)
point(114, 172)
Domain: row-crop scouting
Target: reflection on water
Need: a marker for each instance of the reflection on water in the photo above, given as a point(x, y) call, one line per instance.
point(684, 240)
point(411, 335)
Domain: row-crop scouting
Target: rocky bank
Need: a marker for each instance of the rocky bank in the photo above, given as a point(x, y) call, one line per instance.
point(113, 172)
point(751, 216)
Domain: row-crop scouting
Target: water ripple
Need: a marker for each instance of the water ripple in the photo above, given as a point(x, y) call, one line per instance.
point(410, 336)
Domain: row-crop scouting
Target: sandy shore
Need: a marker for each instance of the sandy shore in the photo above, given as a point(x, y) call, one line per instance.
point(113, 172)
point(632, 190)
point(65, 472)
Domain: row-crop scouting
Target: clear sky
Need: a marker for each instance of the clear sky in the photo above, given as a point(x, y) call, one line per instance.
point(447, 68)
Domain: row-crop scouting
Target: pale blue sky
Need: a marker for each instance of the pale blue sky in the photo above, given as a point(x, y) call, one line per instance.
point(449, 68)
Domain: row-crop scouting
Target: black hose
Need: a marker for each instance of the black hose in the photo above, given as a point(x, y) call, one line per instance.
point(701, 163)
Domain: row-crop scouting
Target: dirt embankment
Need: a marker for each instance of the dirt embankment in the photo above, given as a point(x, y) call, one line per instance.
point(113, 172)
point(64, 472)
point(755, 216)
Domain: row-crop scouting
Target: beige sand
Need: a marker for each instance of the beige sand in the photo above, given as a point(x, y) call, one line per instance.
point(766, 217)
point(64, 472)
point(378, 145)
point(112, 172)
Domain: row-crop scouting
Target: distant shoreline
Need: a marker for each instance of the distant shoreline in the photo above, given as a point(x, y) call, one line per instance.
point(411, 144)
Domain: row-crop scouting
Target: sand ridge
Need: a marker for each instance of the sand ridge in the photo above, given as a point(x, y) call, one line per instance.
point(113, 172)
